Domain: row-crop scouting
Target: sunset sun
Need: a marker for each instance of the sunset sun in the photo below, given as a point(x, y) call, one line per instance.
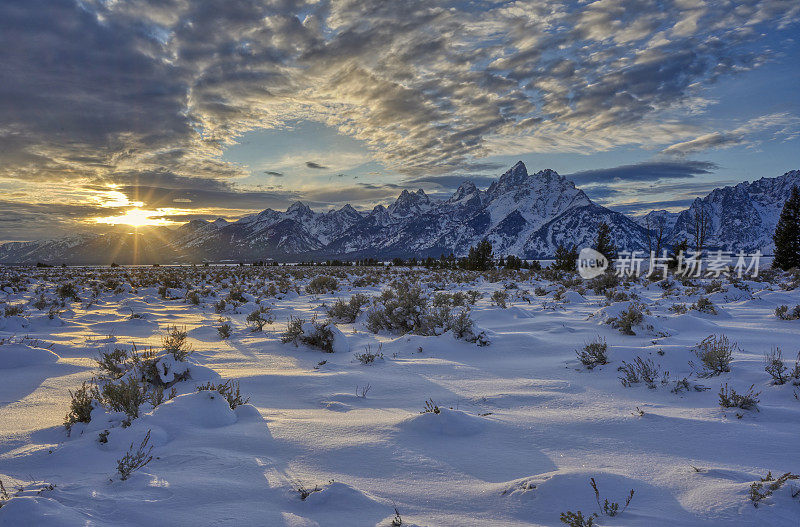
point(137, 217)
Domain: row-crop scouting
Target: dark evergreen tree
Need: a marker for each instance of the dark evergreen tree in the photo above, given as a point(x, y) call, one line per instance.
point(603, 244)
point(787, 234)
point(479, 258)
point(512, 262)
point(680, 247)
point(566, 259)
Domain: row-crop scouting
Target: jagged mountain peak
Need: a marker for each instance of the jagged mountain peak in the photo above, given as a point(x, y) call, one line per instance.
point(410, 202)
point(514, 176)
point(298, 207)
point(547, 173)
point(466, 190)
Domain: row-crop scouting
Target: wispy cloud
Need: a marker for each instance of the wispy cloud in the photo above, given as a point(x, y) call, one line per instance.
point(781, 126)
point(645, 171)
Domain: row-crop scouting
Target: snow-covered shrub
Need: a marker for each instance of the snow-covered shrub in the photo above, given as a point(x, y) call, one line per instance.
point(294, 329)
point(603, 283)
point(40, 302)
point(594, 353)
point(499, 298)
point(322, 284)
point(316, 334)
point(442, 300)
point(642, 370)
point(430, 407)
point(319, 335)
point(4, 495)
point(220, 305)
point(783, 312)
point(124, 396)
point(577, 519)
point(260, 317)
point(459, 299)
point(67, 291)
point(679, 309)
point(397, 521)
point(473, 296)
point(606, 508)
point(758, 492)
point(704, 305)
point(112, 363)
point(713, 287)
point(400, 308)
point(229, 390)
point(715, 354)
point(174, 342)
point(192, 297)
point(13, 310)
point(627, 320)
point(305, 492)
point(616, 295)
point(368, 357)
point(774, 365)
point(81, 405)
point(225, 329)
point(347, 312)
point(731, 399)
point(403, 308)
point(610, 508)
point(462, 327)
point(236, 295)
point(133, 460)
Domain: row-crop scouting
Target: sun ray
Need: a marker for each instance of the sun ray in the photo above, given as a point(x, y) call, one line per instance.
point(137, 217)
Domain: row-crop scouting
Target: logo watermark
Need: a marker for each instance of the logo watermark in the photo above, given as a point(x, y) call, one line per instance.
point(591, 263)
point(692, 264)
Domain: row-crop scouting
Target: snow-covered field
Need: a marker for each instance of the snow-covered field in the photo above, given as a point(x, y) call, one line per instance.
point(518, 427)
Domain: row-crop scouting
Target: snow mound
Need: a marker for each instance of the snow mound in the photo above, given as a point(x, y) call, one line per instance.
point(447, 422)
point(14, 323)
point(573, 297)
point(37, 510)
point(21, 355)
point(339, 496)
point(204, 409)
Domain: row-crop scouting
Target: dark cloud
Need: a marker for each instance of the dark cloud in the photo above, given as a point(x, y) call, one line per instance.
point(25, 221)
point(645, 171)
point(353, 194)
point(193, 198)
point(452, 182)
point(311, 164)
point(273, 173)
point(644, 207)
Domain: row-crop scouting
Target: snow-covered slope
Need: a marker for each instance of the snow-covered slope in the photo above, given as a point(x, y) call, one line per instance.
point(742, 217)
point(658, 219)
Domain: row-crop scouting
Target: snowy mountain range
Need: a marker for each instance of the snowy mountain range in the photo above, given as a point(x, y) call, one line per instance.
point(742, 217)
point(524, 214)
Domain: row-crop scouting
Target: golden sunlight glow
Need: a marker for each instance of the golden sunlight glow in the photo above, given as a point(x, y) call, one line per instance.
point(114, 198)
point(138, 218)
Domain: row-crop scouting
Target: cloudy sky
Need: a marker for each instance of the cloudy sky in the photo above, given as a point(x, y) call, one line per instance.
point(160, 111)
